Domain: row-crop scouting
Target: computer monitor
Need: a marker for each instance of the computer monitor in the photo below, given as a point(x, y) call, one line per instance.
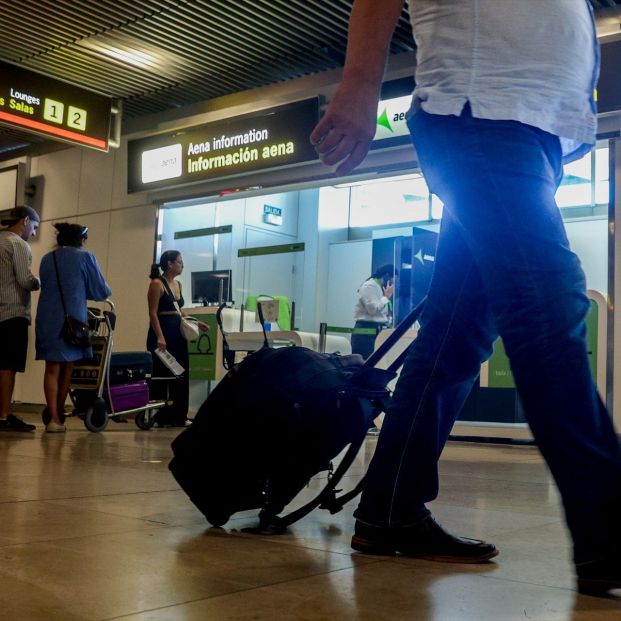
point(213, 287)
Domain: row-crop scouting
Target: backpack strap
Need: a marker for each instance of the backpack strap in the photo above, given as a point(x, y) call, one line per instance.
point(327, 498)
point(60, 289)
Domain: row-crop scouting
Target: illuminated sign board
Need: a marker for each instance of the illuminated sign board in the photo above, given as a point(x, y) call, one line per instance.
point(271, 138)
point(391, 121)
point(43, 105)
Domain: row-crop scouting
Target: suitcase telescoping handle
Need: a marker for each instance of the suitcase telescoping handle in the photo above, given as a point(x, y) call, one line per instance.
point(262, 322)
point(329, 498)
point(228, 355)
point(392, 339)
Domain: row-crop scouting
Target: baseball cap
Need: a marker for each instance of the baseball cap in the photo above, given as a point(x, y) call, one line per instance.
point(19, 212)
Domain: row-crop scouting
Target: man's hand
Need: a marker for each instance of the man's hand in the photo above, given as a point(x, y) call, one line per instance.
point(345, 132)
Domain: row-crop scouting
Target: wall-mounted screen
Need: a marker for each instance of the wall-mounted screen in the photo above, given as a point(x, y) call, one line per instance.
point(211, 287)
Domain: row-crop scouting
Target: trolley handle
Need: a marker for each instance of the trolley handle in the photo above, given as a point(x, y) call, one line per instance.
point(96, 317)
point(110, 315)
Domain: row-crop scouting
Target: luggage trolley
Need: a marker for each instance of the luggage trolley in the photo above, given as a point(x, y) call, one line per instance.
point(111, 385)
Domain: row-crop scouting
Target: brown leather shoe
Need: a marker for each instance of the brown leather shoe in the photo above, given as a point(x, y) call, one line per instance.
point(426, 540)
point(598, 578)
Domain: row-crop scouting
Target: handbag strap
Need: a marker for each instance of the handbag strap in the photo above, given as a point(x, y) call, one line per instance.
point(170, 293)
point(60, 289)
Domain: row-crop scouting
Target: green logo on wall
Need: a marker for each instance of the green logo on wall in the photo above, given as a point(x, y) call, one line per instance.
point(203, 352)
point(383, 120)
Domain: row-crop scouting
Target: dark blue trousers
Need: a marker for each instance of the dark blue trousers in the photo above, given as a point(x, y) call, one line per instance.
point(503, 267)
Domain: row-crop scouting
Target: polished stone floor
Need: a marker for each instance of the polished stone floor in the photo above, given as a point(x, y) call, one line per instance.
point(93, 527)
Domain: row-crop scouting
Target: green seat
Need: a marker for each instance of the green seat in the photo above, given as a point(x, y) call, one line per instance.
point(284, 309)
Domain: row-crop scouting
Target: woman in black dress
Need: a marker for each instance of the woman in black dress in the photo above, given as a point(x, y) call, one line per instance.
point(165, 334)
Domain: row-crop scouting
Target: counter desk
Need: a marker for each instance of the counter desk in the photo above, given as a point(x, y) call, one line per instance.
point(206, 353)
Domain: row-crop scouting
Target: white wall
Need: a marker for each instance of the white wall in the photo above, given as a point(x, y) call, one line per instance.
point(197, 252)
point(349, 266)
point(589, 240)
point(323, 220)
point(251, 275)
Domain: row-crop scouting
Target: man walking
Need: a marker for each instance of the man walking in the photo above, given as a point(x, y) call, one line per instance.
point(16, 283)
point(504, 96)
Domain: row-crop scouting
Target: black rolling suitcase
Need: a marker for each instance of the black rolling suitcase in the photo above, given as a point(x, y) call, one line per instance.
point(130, 366)
point(273, 422)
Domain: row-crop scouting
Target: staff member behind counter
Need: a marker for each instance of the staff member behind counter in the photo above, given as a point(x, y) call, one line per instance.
point(373, 309)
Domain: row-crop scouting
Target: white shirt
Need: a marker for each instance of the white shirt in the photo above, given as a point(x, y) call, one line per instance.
point(532, 61)
point(372, 304)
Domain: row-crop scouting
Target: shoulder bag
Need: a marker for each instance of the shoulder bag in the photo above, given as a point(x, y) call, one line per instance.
point(74, 332)
point(189, 325)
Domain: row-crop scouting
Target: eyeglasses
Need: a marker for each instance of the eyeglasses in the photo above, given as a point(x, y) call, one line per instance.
point(84, 232)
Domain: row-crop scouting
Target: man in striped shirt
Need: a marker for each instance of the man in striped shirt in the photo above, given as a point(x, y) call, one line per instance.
point(16, 283)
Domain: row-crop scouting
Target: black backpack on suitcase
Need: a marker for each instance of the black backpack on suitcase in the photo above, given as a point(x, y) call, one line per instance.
point(272, 423)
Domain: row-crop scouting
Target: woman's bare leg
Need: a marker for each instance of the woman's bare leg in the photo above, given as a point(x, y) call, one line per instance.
point(64, 380)
point(50, 387)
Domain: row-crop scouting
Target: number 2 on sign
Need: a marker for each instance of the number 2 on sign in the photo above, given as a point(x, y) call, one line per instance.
point(76, 118)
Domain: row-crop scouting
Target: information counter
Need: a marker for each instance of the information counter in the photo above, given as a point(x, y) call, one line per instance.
point(206, 353)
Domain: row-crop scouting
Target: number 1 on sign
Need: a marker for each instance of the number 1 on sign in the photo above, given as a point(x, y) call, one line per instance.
point(53, 111)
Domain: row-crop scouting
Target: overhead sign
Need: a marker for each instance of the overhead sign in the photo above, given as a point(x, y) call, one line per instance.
point(268, 139)
point(391, 118)
point(43, 105)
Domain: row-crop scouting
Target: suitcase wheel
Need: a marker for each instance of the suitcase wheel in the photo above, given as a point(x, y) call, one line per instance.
point(145, 420)
point(217, 518)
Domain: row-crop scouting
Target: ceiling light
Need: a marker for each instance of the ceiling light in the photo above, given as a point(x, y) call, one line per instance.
point(124, 54)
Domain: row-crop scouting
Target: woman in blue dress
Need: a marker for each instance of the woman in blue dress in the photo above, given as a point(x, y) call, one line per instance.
point(81, 280)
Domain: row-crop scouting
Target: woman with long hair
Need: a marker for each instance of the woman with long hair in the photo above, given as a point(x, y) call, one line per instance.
point(70, 275)
point(165, 296)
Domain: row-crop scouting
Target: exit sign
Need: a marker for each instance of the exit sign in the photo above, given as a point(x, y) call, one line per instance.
point(272, 215)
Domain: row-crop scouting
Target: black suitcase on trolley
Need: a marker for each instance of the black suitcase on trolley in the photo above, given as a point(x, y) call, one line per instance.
point(273, 422)
point(130, 366)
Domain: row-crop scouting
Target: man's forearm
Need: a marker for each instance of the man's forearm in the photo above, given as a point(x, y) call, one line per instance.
point(344, 133)
point(371, 25)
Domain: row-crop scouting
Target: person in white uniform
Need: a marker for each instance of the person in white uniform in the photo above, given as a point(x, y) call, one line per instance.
point(503, 97)
point(373, 309)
